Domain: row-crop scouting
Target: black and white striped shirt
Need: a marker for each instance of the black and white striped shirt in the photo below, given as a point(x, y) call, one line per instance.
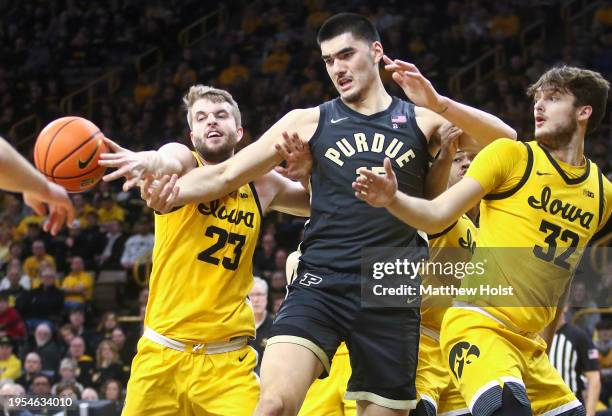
point(572, 353)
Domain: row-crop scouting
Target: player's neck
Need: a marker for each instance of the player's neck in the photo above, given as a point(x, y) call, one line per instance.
point(572, 153)
point(376, 99)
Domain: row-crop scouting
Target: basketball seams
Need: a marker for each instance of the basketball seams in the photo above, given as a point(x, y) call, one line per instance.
point(51, 142)
point(53, 178)
point(59, 162)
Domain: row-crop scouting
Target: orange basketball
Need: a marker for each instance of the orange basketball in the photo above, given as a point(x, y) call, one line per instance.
point(67, 152)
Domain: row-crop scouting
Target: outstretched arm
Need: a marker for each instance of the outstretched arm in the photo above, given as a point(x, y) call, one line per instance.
point(18, 175)
point(479, 125)
point(430, 216)
point(207, 183)
point(171, 158)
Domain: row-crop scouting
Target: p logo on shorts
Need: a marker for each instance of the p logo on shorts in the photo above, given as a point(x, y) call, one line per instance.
point(310, 280)
point(461, 354)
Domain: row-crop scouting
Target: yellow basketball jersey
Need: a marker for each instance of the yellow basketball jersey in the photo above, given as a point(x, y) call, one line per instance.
point(202, 269)
point(455, 244)
point(546, 220)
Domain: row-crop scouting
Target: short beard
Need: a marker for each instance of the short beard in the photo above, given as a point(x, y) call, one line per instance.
point(560, 138)
point(221, 153)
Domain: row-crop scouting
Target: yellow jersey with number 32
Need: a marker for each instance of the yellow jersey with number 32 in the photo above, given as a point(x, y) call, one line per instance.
point(535, 221)
point(202, 269)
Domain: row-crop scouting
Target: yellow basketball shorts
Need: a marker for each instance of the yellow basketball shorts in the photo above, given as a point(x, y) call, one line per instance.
point(484, 356)
point(326, 396)
point(169, 382)
point(433, 380)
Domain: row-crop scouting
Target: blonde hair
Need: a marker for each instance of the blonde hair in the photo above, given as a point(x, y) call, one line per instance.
point(215, 95)
point(113, 348)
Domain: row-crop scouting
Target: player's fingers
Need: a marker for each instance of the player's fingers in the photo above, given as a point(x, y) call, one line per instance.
point(387, 60)
point(170, 200)
point(104, 157)
point(145, 187)
point(38, 207)
point(369, 175)
point(281, 170)
point(69, 211)
point(116, 174)
point(59, 221)
point(167, 189)
point(113, 146)
point(388, 168)
point(406, 65)
point(297, 142)
point(132, 182)
point(281, 151)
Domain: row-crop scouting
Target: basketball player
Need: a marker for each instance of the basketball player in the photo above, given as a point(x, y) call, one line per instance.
point(323, 307)
point(38, 193)
point(193, 357)
point(543, 196)
point(435, 388)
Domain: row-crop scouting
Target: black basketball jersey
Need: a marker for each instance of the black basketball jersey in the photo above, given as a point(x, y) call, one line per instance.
point(341, 225)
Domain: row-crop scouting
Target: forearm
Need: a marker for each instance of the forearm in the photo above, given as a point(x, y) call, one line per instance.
point(437, 177)
point(19, 175)
point(592, 393)
point(162, 164)
point(477, 124)
point(418, 213)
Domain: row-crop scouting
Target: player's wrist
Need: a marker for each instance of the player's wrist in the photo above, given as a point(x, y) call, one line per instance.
point(441, 106)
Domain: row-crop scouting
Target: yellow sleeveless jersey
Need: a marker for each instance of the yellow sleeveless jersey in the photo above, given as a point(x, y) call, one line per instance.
point(202, 269)
point(532, 233)
point(455, 244)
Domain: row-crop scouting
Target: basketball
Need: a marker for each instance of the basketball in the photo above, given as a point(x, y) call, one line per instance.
point(67, 152)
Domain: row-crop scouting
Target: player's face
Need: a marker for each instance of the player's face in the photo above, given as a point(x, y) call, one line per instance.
point(555, 117)
point(214, 133)
point(461, 163)
point(352, 65)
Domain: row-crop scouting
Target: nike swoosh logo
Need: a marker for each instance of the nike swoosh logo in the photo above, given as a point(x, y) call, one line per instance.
point(542, 173)
point(338, 120)
point(243, 357)
point(83, 164)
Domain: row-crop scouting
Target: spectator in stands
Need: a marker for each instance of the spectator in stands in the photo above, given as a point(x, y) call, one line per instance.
point(108, 364)
point(89, 394)
point(32, 264)
point(105, 327)
point(603, 342)
point(505, 24)
point(15, 253)
point(602, 19)
point(278, 282)
point(14, 283)
point(78, 285)
point(34, 233)
point(68, 374)
point(277, 61)
point(235, 74)
point(280, 259)
point(125, 351)
point(143, 89)
point(12, 389)
point(10, 366)
point(81, 208)
point(5, 242)
point(43, 304)
point(110, 259)
point(66, 334)
point(75, 244)
point(31, 368)
point(109, 210)
point(138, 246)
point(277, 300)
point(184, 76)
point(579, 299)
point(11, 324)
point(263, 320)
point(112, 390)
point(45, 347)
point(85, 362)
point(68, 390)
point(263, 261)
point(41, 385)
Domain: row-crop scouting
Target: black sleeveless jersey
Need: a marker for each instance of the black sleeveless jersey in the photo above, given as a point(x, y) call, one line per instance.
point(342, 225)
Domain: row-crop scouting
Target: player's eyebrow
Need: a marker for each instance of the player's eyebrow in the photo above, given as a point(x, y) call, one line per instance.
point(341, 51)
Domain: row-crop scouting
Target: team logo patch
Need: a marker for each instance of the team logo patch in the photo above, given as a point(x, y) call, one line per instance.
point(310, 280)
point(398, 120)
point(461, 354)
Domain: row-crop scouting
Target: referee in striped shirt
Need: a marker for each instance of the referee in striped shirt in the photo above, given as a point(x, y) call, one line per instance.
point(575, 357)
